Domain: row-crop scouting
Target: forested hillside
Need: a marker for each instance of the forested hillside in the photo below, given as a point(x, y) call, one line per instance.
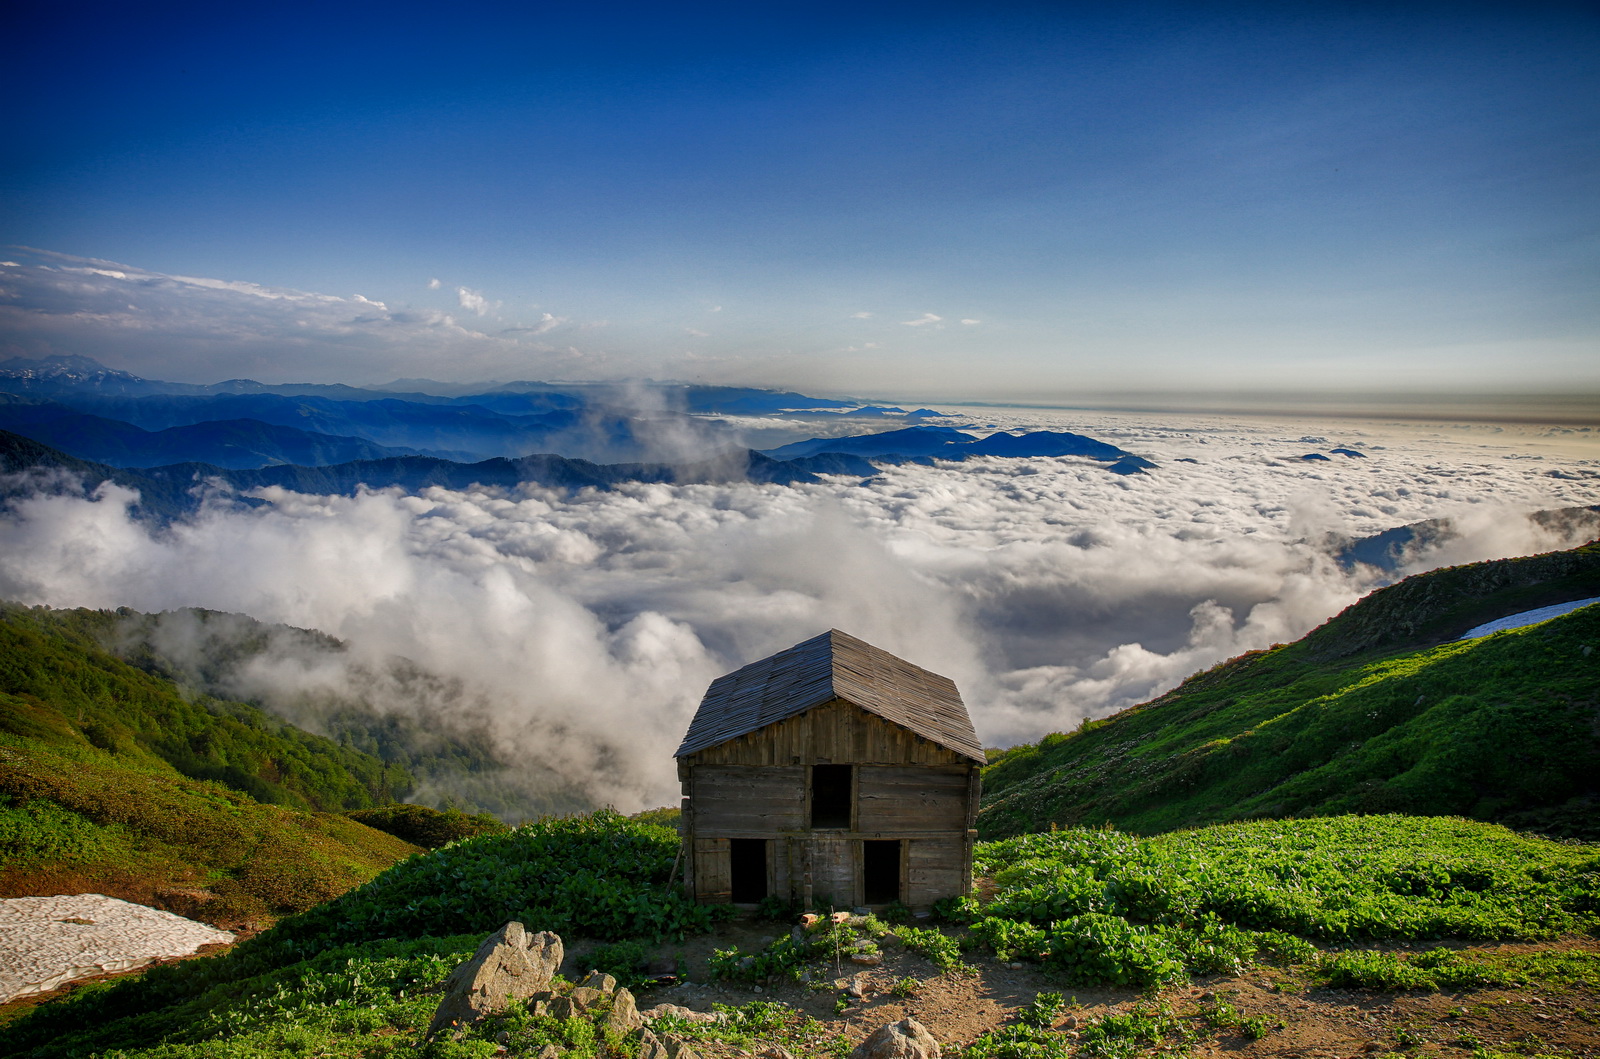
point(111, 781)
point(61, 688)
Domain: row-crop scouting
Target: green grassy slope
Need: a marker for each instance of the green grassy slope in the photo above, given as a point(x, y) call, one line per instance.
point(58, 686)
point(110, 780)
point(359, 976)
point(1356, 717)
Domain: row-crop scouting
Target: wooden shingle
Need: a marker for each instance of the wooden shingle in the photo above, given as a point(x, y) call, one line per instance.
point(833, 666)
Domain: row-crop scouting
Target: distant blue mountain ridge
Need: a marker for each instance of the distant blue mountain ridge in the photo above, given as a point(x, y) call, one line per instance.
point(86, 410)
point(231, 443)
point(473, 427)
point(603, 422)
point(947, 443)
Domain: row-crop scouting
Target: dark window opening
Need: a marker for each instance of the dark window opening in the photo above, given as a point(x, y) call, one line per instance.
point(748, 869)
point(880, 872)
point(830, 796)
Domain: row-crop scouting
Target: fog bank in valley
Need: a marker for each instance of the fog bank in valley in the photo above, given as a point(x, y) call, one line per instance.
point(581, 630)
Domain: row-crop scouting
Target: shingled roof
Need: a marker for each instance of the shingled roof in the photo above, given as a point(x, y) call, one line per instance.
point(833, 666)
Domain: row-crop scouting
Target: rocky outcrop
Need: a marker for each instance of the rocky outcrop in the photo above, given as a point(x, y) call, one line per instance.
point(510, 965)
point(653, 1047)
point(906, 1039)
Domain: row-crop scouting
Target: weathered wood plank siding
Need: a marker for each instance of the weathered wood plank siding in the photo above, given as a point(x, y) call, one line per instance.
point(834, 865)
point(935, 868)
point(911, 798)
point(740, 798)
point(713, 876)
point(836, 733)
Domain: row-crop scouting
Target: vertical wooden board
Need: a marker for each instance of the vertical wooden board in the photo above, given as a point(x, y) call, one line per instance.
point(713, 871)
point(833, 868)
point(820, 734)
point(748, 798)
point(782, 871)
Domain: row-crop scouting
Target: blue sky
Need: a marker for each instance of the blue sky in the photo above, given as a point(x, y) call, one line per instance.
point(940, 200)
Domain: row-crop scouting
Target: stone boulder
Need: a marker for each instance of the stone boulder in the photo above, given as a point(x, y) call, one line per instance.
point(906, 1039)
point(599, 980)
point(510, 965)
point(653, 1047)
point(624, 1016)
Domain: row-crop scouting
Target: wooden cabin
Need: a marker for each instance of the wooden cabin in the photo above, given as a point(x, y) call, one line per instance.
point(830, 773)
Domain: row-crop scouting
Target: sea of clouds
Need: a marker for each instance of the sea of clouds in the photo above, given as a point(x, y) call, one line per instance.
point(585, 627)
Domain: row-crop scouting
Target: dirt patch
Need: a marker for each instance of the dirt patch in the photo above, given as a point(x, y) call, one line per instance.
point(1298, 1022)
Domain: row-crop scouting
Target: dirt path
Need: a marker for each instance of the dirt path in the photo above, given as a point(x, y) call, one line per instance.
point(1299, 1023)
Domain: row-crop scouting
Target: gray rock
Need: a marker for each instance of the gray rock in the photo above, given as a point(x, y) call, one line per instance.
point(510, 965)
point(560, 1007)
point(549, 1051)
point(624, 1017)
point(906, 1039)
point(586, 998)
point(688, 1014)
point(599, 980)
point(651, 1047)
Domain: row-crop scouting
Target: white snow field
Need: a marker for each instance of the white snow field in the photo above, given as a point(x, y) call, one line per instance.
point(46, 942)
point(1527, 617)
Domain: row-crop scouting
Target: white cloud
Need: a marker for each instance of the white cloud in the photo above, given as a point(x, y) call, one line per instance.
point(1050, 590)
point(693, 333)
point(923, 320)
point(547, 322)
point(861, 316)
point(972, 321)
point(434, 284)
point(193, 329)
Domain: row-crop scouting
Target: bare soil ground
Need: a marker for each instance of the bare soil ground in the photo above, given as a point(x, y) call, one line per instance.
point(1306, 1023)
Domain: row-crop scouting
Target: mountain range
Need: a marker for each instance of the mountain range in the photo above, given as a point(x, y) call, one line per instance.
point(88, 411)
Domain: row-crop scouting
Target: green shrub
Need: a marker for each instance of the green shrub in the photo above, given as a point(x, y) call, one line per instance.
point(622, 960)
point(1095, 949)
point(427, 827)
point(42, 831)
point(935, 946)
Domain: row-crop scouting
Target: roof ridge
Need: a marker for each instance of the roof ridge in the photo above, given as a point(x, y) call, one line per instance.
point(832, 665)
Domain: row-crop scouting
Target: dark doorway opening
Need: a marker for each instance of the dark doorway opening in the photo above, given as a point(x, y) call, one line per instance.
point(830, 796)
point(747, 869)
point(880, 872)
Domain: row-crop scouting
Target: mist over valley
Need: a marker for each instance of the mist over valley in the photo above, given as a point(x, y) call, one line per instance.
point(563, 615)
